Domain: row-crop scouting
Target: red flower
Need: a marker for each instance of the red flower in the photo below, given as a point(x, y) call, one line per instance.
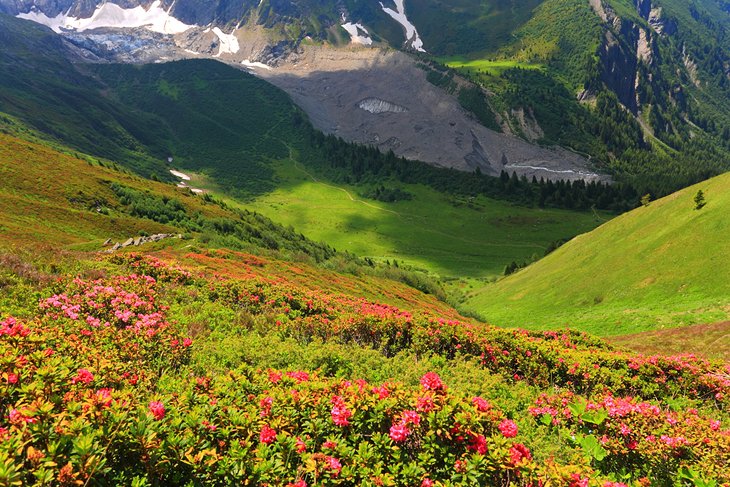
point(157, 409)
point(508, 428)
point(425, 404)
point(519, 453)
point(431, 381)
point(578, 481)
point(481, 404)
point(340, 413)
point(427, 482)
point(411, 417)
point(330, 445)
point(298, 483)
point(301, 447)
point(333, 464)
point(12, 378)
point(478, 443)
point(399, 432)
point(187, 342)
point(268, 434)
point(83, 375)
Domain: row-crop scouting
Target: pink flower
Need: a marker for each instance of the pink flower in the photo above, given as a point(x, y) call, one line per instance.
point(12, 378)
point(431, 381)
point(333, 464)
point(266, 404)
point(478, 443)
point(157, 409)
point(411, 417)
point(104, 397)
point(578, 481)
point(187, 342)
point(427, 482)
point(298, 483)
point(425, 404)
point(508, 428)
point(714, 425)
point(381, 391)
point(267, 435)
point(519, 453)
point(300, 447)
point(399, 432)
point(83, 375)
point(329, 445)
point(481, 404)
point(340, 413)
point(274, 376)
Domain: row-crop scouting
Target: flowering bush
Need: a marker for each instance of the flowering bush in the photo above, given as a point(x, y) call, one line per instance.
point(97, 389)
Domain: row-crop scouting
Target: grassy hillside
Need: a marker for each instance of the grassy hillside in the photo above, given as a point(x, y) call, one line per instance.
point(450, 235)
point(658, 266)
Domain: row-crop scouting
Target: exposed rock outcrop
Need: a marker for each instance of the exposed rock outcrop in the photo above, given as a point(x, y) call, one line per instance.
point(140, 240)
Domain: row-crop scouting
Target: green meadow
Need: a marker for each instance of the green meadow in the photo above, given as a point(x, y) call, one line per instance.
point(487, 66)
point(443, 234)
point(660, 266)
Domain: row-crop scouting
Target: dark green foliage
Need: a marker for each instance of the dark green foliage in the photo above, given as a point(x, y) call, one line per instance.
point(352, 164)
point(699, 200)
point(249, 229)
point(388, 195)
point(474, 100)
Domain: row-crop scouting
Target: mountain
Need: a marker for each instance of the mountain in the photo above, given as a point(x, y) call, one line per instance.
point(636, 89)
point(174, 360)
point(654, 267)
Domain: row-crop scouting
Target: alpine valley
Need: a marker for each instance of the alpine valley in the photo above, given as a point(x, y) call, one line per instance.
point(365, 243)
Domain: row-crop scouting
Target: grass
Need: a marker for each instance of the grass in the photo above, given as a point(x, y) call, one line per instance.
point(707, 340)
point(487, 66)
point(660, 266)
point(446, 235)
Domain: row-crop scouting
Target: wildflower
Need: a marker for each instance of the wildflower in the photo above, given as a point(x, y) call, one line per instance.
point(481, 404)
point(399, 432)
point(340, 413)
point(83, 375)
point(300, 447)
point(187, 342)
point(519, 453)
point(334, 465)
point(478, 443)
point(508, 428)
point(411, 417)
point(157, 409)
point(431, 381)
point(267, 435)
point(12, 378)
point(298, 483)
point(427, 482)
point(381, 391)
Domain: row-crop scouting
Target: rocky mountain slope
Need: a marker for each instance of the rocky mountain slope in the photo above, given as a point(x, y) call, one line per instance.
point(638, 89)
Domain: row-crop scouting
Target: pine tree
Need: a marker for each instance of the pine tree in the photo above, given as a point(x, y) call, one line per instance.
point(700, 200)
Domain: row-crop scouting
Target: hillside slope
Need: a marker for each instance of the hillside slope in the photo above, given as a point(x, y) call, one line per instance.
point(658, 266)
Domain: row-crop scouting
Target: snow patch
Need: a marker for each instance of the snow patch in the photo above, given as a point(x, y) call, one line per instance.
point(399, 15)
point(155, 19)
point(247, 63)
point(355, 37)
point(376, 105)
point(180, 175)
point(229, 43)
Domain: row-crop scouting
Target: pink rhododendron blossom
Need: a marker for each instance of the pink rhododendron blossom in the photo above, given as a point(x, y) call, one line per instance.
point(157, 409)
point(399, 432)
point(508, 428)
point(267, 435)
point(84, 376)
point(432, 382)
point(519, 453)
point(481, 404)
point(334, 465)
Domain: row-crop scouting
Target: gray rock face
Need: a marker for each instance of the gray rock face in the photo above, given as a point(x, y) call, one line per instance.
point(141, 240)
